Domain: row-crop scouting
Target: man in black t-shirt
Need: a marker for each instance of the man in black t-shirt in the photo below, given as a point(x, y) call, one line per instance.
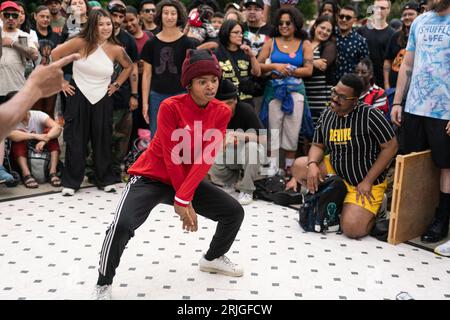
point(147, 10)
point(396, 48)
point(361, 144)
point(378, 33)
point(243, 147)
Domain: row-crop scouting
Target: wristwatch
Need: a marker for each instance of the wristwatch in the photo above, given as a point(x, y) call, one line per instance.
point(116, 84)
point(135, 95)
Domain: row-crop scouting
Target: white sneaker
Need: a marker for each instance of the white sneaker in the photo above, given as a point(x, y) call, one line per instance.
point(443, 249)
point(221, 265)
point(102, 292)
point(68, 192)
point(110, 188)
point(245, 198)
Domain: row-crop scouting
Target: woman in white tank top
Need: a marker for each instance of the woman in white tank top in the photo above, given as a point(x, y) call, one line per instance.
point(88, 114)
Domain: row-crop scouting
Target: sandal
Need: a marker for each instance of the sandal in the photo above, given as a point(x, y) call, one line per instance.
point(55, 181)
point(30, 182)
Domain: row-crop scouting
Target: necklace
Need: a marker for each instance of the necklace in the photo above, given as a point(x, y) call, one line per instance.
point(284, 45)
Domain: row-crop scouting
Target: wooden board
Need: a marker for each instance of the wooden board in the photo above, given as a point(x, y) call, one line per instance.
point(415, 196)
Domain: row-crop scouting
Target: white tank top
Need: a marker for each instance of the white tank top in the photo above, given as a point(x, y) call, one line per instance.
point(92, 75)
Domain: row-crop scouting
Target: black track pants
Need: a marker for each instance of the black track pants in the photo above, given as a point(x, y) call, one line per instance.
point(141, 195)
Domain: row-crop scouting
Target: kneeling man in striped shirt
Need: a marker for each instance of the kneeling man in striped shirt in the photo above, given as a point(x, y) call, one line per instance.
point(360, 144)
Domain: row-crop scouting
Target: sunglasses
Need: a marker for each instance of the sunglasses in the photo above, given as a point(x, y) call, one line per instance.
point(149, 10)
point(345, 17)
point(282, 23)
point(8, 15)
point(341, 97)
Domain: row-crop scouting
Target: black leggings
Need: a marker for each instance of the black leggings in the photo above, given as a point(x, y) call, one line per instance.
point(141, 195)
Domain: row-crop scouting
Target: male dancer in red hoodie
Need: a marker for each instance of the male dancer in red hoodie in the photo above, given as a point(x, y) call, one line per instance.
point(171, 172)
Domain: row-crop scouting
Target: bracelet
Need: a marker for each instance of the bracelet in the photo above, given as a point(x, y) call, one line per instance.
point(310, 162)
point(116, 84)
point(397, 104)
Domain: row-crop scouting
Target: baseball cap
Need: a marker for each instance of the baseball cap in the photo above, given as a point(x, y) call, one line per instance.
point(411, 6)
point(259, 3)
point(9, 5)
point(232, 5)
point(227, 90)
point(116, 7)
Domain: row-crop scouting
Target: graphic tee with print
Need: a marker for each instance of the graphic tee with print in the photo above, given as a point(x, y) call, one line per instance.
point(166, 59)
point(354, 141)
point(242, 63)
point(429, 92)
point(256, 37)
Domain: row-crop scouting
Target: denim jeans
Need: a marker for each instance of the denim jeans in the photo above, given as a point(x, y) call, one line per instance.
point(155, 100)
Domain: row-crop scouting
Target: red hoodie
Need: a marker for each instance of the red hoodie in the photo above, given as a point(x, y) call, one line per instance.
point(159, 161)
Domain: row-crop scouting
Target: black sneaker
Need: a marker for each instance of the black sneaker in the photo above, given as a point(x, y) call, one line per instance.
point(437, 231)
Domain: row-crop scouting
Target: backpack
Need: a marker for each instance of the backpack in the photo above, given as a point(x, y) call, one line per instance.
point(38, 163)
point(320, 212)
point(267, 187)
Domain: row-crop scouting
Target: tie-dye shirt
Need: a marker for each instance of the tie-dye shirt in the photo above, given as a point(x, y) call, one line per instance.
point(429, 93)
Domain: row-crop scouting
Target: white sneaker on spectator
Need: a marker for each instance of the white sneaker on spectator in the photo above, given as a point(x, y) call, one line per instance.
point(443, 249)
point(102, 292)
point(110, 188)
point(68, 192)
point(245, 198)
point(270, 168)
point(221, 265)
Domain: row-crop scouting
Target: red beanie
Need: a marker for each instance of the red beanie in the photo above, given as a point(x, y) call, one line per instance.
point(199, 63)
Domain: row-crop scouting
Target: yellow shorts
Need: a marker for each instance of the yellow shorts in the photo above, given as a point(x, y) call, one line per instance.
point(377, 191)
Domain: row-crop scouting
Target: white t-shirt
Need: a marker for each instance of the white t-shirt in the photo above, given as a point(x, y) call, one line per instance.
point(34, 35)
point(36, 124)
point(12, 65)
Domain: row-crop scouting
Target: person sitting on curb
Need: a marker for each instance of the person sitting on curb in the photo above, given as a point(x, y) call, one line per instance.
point(242, 150)
point(39, 127)
point(361, 144)
point(4, 175)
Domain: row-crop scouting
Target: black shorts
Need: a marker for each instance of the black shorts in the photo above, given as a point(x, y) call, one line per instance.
point(419, 133)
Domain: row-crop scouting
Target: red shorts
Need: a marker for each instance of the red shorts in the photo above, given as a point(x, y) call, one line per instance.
point(19, 149)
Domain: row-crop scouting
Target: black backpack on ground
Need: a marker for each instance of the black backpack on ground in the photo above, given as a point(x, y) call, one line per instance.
point(320, 212)
point(267, 187)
